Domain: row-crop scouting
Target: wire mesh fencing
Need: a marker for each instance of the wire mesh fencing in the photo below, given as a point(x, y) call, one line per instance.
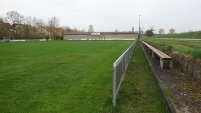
point(119, 70)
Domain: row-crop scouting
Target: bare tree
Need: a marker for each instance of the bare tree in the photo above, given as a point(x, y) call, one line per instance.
point(66, 29)
point(91, 29)
point(35, 26)
point(161, 31)
point(171, 31)
point(27, 29)
point(53, 23)
point(4, 19)
point(40, 27)
point(34, 22)
point(30, 27)
point(14, 17)
point(28, 20)
point(75, 29)
point(150, 32)
point(83, 30)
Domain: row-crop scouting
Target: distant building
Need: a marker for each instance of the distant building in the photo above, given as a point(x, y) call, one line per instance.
point(101, 36)
point(8, 30)
point(25, 31)
point(9, 27)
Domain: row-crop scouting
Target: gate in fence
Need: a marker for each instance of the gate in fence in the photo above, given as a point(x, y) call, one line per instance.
point(119, 70)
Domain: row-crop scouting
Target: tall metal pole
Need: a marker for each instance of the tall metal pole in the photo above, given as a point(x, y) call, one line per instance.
point(51, 29)
point(139, 27)
point(142, 30)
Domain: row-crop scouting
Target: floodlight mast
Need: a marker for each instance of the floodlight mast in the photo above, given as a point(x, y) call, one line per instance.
point(139, 28)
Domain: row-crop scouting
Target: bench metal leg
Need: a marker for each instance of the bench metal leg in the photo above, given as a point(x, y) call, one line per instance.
point(149, 50)
point(161, 63)
point(170, 64)
point(153, 55)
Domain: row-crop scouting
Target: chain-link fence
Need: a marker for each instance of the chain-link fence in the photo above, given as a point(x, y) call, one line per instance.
point(119, 70)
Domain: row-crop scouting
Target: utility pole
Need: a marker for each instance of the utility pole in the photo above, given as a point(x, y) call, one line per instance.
point(41, 28)
point(139, 28)
point(142, 30)
point(51, 28)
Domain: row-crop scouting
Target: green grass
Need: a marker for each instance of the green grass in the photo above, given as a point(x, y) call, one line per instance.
point(167, 92)
point(190, 47)
point(196, 34)
point(166, 89)
point(138, 92)
point(57, 76)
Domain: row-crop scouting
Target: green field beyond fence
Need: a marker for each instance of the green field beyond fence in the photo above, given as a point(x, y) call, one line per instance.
point(57, 76)
point(194, 35)
point(190, 47)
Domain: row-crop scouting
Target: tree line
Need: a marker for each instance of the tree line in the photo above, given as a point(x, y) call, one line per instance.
point(150, 32)
point(17, 26)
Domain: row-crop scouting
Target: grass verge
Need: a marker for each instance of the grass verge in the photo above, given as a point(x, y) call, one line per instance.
point(138, 92)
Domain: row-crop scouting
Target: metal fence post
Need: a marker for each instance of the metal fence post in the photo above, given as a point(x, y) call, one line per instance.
point(114, 86)
point(125, 64)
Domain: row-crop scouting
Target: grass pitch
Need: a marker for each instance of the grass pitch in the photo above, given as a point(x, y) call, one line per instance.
point(57, 76)
point(73, 77)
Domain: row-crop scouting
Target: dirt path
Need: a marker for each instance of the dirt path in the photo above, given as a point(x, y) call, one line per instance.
point(182, 92)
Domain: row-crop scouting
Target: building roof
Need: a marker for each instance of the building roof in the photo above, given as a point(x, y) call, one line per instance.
point(8, 26)
point(17, 25)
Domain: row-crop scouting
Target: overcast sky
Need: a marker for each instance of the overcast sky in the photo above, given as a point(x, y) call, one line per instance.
point(108, 15)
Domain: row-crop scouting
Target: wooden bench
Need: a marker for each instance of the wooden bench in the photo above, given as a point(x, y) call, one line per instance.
point(163, 57)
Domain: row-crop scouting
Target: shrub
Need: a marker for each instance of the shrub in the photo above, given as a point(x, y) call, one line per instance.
point(166, 47)
point(194, 53)
point(169, 48)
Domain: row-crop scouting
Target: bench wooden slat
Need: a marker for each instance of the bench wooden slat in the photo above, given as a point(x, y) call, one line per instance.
point(162, 55)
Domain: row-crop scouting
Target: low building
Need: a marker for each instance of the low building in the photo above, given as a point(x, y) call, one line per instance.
point(101, 36)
